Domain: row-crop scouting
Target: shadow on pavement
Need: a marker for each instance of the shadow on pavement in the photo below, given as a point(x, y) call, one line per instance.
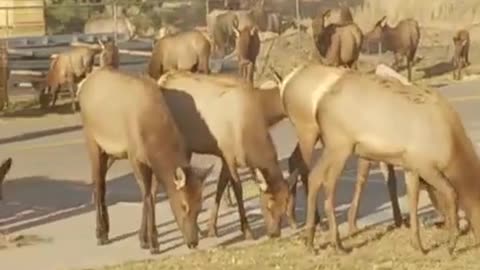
point(39, 134)
point(37, 200)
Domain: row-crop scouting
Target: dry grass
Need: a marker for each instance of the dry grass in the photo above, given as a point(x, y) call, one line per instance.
point(449, 14)
point(380, 248)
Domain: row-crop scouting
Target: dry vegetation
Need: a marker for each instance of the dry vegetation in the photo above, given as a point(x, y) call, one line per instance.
point(379, 248)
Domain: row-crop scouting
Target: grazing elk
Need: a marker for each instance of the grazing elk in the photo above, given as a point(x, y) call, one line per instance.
point(4, 169)
point(189, 50)
point(125, 129)
point(248, 47)
point(238, 136)
point(325, 102)
point(402, 40)
point(461, 42)
point(337, 44)
point(68, 69)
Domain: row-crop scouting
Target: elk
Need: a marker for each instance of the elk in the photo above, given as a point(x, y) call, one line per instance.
point(461, 42)
point(338, 45)
point(220, 27)
point(436, 148)
point(107, 24)
point(247, 47)
point(67, 69)
point(125, 129)
point(189, 50)
point(4, 169)
point(402, 40)
point(238, 137)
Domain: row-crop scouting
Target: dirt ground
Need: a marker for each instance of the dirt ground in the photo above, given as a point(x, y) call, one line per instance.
point(379, 248)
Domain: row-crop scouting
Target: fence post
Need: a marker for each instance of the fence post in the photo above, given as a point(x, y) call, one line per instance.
point(4, 74)
point(115, 19)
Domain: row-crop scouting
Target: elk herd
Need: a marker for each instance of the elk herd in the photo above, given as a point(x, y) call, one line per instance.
point(159, 119)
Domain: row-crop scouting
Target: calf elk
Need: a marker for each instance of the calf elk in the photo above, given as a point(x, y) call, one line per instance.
point(125, 129)
point(461, 42)
point(402, 40)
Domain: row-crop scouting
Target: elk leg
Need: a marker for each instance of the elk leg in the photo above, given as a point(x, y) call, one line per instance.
point(55, 96)
point(203, 63)
point(412, 182)
point(251, 72)
point(71, 88)
point(221, 185)
point(409, 68)
point(435, 178)
point(98, 161)
point(363, 169)
point(336, 163)
point(302, 157)
point(389, 176)
point(227, 197)
point(147, 233)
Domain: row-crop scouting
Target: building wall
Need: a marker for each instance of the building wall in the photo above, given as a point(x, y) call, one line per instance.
point(24, 21)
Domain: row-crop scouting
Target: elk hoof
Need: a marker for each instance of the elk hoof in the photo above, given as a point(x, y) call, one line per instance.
point(144, 245)
point(293, 224)
point(102, 241)
point(353, 230)
point(248, 235)
point(155, 250)
point(212, 232)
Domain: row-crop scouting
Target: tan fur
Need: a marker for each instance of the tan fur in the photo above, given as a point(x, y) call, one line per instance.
point(68, 69)
point(402, 40)
point(461, 42)
point(237, 135)
point(248, 47)
point(188, 50)
point(436, 147)
point(337, 44)
point(125, 129)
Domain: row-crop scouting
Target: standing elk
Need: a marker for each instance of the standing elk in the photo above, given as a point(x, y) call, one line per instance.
point(461, 42)
point(125, 129)
point(4, 169)
point(337, 44)
point(402, 40)
point(248, 47)
point(432, 143)
point(68, 69)
point(189, 50)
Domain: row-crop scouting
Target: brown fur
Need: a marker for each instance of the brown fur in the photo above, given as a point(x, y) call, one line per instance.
point(68, 69)
point(236, 135)
point(125, 129)
point(448, 163)
point(109, 56)
point(338, 45)
point(189, 50)
point(402, 40)
point(248, 47)
point(461, 42)
point(4, 169)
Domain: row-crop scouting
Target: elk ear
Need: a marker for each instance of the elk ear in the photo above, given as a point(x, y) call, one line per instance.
point(326, 13)
point(262, 182)
point(277, 76)
point(180, 178)
point(236, 31)
point(382, 21)
point(201, 173)
point(253, 31)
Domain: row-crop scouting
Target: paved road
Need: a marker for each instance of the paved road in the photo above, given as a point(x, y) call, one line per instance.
point(48, 194)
